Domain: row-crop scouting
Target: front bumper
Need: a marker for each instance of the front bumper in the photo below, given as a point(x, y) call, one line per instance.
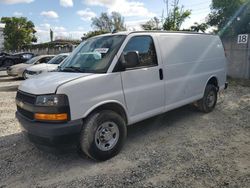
point(12, 73)
point(50, 133)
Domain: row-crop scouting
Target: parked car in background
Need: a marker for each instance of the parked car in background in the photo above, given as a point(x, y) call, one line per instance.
point(19, 70)
point(51, 66)
point(7, 60)
point(3, 53)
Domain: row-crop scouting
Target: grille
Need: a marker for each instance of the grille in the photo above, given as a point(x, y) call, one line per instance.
point(25, 113)
point(25, 97)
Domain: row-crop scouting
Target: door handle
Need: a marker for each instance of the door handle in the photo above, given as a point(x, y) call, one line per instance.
point(161, 74)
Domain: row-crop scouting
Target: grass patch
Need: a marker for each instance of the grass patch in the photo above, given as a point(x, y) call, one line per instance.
point(238, 81)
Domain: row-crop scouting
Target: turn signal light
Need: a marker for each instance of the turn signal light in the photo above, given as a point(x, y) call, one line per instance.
point(51, 117)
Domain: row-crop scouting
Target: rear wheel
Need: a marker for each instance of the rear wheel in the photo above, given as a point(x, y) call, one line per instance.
point(103, 135)
point(209, 100)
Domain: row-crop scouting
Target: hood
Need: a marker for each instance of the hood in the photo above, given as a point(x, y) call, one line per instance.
point(44, 67)
point(49, 82)
point(20, 66)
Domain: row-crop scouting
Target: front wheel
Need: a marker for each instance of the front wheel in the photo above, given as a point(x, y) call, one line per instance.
point(209, 100)
point(25, 75)
point(103, 135)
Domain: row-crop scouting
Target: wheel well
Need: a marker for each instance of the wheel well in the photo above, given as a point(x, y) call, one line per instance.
point(114, 107)
point(213, 81)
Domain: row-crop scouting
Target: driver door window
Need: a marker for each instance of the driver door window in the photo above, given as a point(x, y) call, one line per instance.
point(144, 45)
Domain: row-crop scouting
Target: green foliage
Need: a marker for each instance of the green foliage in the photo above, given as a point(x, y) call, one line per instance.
point(199, 27)
point(92, 34)
point(153, 24)
point(173, 20)
point(231, 17)
point(108, 23)
point(175, 16)
point(117, 21)
point(18, 32)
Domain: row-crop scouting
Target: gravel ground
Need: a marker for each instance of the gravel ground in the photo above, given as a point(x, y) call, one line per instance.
point(181, 148)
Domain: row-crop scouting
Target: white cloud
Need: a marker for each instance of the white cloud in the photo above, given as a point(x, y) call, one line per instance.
point(49, 14)
point(58, 29)
point(125, 7)
point(45, 26)
point(43, 32)
point(15, 1)
point(17, 14)
point(101, 2)
point(86, 14)
point(80, 28)
point(66, 3)
point(135, 25)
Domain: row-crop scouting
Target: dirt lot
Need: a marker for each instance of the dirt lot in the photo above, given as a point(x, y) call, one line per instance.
point(182, 148)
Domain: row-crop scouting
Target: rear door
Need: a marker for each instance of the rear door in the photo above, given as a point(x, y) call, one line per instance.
point(143, 84)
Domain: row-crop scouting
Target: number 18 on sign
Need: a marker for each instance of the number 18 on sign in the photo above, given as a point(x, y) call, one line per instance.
point(242, 39)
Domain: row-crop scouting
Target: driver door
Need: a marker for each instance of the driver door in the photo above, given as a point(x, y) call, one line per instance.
point(143, 84)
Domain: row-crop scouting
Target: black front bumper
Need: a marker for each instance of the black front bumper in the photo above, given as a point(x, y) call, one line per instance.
point(50, 133)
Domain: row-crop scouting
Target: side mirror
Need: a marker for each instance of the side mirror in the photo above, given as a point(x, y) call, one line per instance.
point(131, 59)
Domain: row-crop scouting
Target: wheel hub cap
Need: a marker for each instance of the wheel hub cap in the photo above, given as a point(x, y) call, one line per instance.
point(106, 136)
point(210, 99)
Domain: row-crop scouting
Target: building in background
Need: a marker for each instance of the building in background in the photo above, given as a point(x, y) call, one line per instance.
point(54, 47)
point(1, 36)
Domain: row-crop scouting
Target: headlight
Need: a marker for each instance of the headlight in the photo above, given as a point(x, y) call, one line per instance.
point(52, 100)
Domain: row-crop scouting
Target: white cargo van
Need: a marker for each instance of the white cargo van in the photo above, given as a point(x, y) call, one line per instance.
point(114, 80)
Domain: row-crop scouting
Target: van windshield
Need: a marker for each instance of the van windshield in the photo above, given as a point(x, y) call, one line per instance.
point(93, 55)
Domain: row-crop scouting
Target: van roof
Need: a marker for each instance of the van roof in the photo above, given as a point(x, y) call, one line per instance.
point(155, 31)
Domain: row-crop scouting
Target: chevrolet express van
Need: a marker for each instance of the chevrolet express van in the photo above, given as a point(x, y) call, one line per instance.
point(114, 80)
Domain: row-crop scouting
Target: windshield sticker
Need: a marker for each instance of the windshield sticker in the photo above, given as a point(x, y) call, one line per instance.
point(102, 50)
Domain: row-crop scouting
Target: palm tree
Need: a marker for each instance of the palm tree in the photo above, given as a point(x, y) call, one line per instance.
point(199, 27)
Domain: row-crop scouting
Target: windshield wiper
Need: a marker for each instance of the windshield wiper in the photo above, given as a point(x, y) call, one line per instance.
point(72, 69)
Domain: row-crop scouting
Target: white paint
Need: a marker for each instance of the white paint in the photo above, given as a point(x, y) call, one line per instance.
point(188, 62)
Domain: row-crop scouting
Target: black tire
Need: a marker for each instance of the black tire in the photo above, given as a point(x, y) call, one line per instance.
point(89, 137)
point(24, 75)
point(209, 100)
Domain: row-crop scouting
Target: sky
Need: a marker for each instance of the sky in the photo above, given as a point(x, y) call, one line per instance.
point(71, 18)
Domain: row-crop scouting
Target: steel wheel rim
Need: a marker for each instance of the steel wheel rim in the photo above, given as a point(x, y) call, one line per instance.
point(210, 99)
point(106, 136)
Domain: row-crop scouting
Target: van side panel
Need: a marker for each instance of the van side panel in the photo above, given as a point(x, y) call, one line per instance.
point(87, 93)
point(189, 60)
